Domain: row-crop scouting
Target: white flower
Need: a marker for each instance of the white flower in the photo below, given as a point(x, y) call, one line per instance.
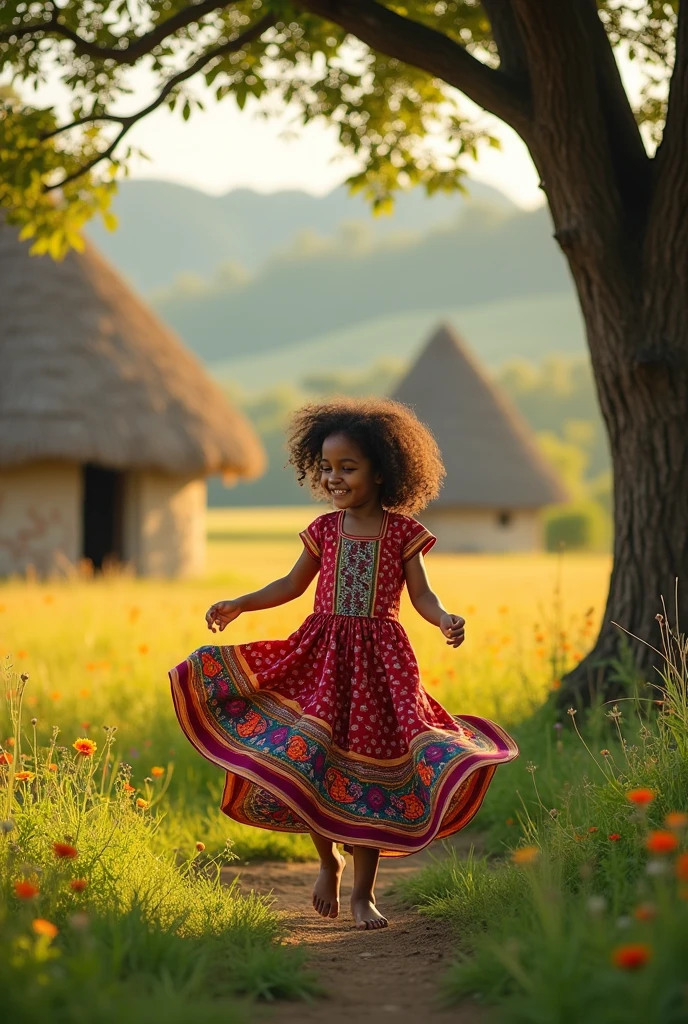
point(597, 904)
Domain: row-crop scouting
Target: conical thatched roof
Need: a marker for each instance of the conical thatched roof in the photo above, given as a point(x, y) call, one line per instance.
point(487, 447)
point(89, 374)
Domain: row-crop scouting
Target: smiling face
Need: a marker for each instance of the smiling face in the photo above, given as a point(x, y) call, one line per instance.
point(347, 474)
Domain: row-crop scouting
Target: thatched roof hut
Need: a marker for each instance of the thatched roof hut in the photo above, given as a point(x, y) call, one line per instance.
point(102, 403)
point(497, 480)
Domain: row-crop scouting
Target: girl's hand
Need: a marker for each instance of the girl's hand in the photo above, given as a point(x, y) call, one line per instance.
point(453, 627)
point(221, 614)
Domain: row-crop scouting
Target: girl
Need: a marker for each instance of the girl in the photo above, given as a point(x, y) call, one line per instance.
point(330, 731)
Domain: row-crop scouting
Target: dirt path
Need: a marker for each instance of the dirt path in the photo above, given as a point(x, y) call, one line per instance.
point(391, 974)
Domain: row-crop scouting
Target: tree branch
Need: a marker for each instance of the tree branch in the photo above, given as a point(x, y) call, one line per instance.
point(513, 59)
point(431, 51)
point(127, 122)
point(130, 48)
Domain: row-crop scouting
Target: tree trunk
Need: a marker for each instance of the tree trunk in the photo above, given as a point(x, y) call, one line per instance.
point(644, 401)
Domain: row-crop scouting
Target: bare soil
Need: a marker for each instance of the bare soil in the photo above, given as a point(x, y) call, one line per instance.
point(368, 976)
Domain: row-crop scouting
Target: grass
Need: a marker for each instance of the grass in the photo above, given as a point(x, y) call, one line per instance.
point(588, 917)
point(98, 652)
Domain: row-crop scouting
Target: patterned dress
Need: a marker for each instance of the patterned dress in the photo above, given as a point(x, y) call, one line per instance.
point(331, 730)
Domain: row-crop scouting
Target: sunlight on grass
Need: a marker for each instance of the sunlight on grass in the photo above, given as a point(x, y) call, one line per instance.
point(98, 651)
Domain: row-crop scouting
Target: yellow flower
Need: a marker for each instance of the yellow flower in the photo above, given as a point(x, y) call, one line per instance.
point(142, 803)
point(525, 855)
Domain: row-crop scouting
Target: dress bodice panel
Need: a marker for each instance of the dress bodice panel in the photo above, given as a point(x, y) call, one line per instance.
point(363, 576)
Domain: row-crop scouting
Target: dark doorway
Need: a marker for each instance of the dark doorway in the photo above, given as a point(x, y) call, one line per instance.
point(102, 515)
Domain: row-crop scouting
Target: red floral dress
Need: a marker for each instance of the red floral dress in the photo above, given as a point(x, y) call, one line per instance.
point(331, 729)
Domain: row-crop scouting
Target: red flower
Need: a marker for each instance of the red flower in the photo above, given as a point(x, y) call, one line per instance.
point(682, 867)
point(78, 884)
point(25, 890)
point(632, 956)
point(614, 837)
point(5, 757)
point(593, 828)
point(64, 851)
point(641, 797)
point(661, 842)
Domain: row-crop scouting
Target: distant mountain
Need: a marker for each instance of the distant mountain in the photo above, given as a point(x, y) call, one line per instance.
point(316, 288)
point(167, 230)
point(529, 328)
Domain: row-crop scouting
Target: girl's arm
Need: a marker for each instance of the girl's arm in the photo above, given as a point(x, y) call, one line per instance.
point(293, 585)
point(427, 603)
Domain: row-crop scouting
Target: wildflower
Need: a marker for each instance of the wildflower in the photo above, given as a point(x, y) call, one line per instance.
point(682, 867)
point(143, 648)
point(85, 747)
point(623, 922)
point(25, 776)
point(597, 904)
point(593, 828)
point(84, 693)
point(6, 757)
point(676, 819)
point(525, 855)
point(605, 753)
point(661, 842)
point(65, 851)
point(614, 837)
point(52, 767)
point(142, 803)
point(44, 928)
point(22, 654)
point(128, 788)
point(571, 711)
point(553, 812)
point(509, 821)
point(56, 695)
point(25, 890)
point(539, 637)
point(157, 772)
point(200, 847)
point(78, 884)
point(503, 609)
point(556, 685)
point(79, 921)
point(10, 741)
point(640, 797)
point(558, 727)
point(656, 867)
point(34, 721)
point(85, 726)
point(631, 956)
point(645, 912)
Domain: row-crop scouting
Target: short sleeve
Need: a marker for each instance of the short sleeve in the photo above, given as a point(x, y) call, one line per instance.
point(418, 540)
point(311, 538)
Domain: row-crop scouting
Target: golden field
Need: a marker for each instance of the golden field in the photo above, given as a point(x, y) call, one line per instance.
point(98, 651)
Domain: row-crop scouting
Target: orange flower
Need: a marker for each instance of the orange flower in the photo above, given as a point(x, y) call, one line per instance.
point(44, 928)
point(52, 767)
point(525, 855)
point(539, 638)
point(85, 747)
point(200, 847)
point(134, 614)
point(10, 742)
point(593, 828)
point(614, 837)
point(143, 648)
point(85, 726)
point(25, 776)
point(632, 956)
point(157, 771)
point(56, 695)
point(682, 867)
point(641, 797)
point(556, 684)
point(142, 803)
point(25, 890)
point(6, 757)
point(65, 851)
point(661, 842)
point(22, 654)
point(510, 821)
point(84, 693)
point(78, 884)
point(676, 819)
point(645, 912)
point(128, 788)
point(48, 599)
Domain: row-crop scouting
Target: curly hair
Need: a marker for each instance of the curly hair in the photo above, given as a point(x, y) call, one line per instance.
point(400, 447)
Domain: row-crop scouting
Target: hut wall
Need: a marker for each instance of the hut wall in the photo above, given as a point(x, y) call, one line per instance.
point(40, 517)
point(465, 529)
point(164, 524)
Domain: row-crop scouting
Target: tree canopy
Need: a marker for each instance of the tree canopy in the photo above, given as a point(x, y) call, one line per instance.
point(389, 77)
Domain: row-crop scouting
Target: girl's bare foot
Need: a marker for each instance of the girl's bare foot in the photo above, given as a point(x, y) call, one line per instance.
point(365, 913)
point(326, 888)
